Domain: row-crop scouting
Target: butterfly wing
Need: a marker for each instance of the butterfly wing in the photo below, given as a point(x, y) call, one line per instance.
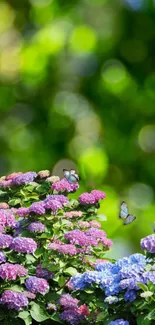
point(66, 173)
point(130, 218)
point(74, 177)
point(123, 211)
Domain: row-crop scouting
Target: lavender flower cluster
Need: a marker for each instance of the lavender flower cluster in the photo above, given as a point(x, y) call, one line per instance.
point(72, 313)
point(37, 285)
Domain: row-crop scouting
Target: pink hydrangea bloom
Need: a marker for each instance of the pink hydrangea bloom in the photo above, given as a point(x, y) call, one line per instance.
point(10, 271)
point(64, 186)
point(87, 198)
point(99, 195)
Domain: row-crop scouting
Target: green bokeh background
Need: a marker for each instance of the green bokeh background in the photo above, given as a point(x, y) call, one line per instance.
point(77, 89)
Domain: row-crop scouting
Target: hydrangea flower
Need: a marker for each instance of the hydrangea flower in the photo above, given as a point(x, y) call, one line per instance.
point(24, 178)
point(94, 224)
point(58, 197)
point(23, 245)
point(29, 295)
point(37, 207)
point(37, 285)
point(2, 257)
point(13, 175)
point(36, 227)
point(73, 214)
point(111, 299)
point(54, 205)
point(64, 186)
point(44, 173)
point(130, 295)
point(22, 212)
point(53, 179)
point(68, 302)
point(5, 183)
point(43, 273)
point(5, 240)
point(148, 243)
point(14, 300)
point(83, 224)
point(72, 316)
point(7, 219)
point(77, 237)
point(99, 195)
point(4, 205)
point(119, 322)
point(95, 233)
point(10, 271)
point(83, 310)
point(63, 248)
point(87, 198)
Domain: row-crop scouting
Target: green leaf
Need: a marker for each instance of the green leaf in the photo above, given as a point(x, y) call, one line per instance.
point(142, 286)
point(56, 318)
point(54, 268)
point(101, 316)
point(26, 317)
point(151, 315)
point(15, 288)
point(38, 313)
point(61, 281)
point(14, 202)
point(39, 251)
point(142, 321)
point(71, 271)
point(30, 259)
point(148, 267)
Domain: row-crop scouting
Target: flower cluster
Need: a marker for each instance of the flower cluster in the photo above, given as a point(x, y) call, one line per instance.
point(90, 198)
point(72, 313)
point(122, 276)
point(14, 300)
point(36, 227)
point(10, 271)
point(64, 186)
point(23, 245)
point(7, 219)
point(37, 285)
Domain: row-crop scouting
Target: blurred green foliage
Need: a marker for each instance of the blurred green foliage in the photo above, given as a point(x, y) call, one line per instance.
point(77, 89)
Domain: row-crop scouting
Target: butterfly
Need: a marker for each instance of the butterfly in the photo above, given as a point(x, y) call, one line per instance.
point(124, 214)
point(71, 175)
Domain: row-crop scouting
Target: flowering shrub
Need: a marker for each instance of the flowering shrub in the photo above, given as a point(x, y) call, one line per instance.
point(52, 265)
point(46, 238)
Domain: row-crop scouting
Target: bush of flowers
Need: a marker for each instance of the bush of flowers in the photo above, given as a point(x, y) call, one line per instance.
point(46, 237)
point(52, 265)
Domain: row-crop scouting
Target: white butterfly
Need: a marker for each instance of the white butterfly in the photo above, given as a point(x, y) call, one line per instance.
point(71, 175)
point(124, 214)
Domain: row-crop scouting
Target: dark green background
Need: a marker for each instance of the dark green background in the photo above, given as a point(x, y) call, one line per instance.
point(77, 89)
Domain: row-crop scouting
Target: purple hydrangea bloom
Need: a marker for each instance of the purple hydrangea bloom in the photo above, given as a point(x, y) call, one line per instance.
point(37, 285)
point(5, 240)
point(99, 195)
point(148, 243)
point(7, 219)
point(68, 302)
point(36, 227)
point(87, 198)
point(130, 295)
point(95, 233)
point(119, 322)
point(78, 237)
point(130, 283)
point(64, 186)
point(58, 197)
point(37, 207)
point(29, 295)
point(63, 248)
point(43, 273)
point(2, 257)
point(72, 316)
point(54, 205)
point(5, 183)
point(23, 245)
point(10, 271)
point(22, 212)
point(14, 300)
point(24, 178)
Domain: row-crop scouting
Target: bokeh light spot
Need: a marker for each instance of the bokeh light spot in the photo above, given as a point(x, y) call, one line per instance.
point(83, 38)
point(141, 195)
point(146, 138)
